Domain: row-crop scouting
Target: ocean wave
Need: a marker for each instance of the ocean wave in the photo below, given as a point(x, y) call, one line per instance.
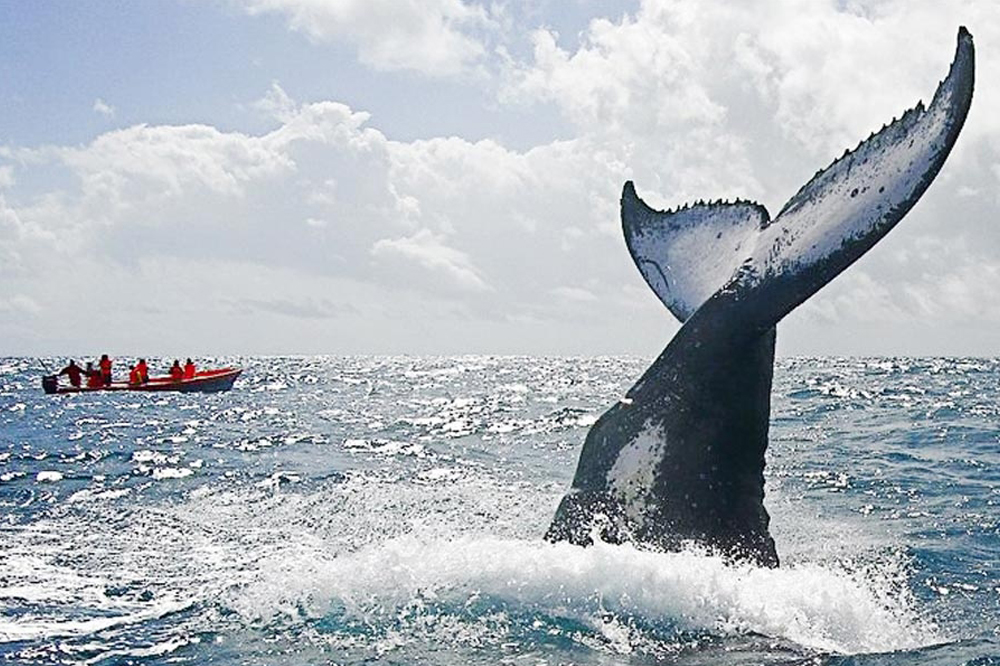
point(356, 509)
point(410, 582)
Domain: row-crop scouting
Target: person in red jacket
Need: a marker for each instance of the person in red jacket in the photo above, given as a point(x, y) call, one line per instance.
point(134, 377)
point(189, 370)
point(74, 372)
point(94, 379)
point(105, 365)
point(176, 371)
point(143, 370)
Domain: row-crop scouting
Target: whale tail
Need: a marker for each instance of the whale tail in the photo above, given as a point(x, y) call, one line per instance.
point(685, 255)
point(682, 458)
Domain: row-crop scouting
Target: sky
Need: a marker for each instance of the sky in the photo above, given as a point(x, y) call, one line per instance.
point(183, 177)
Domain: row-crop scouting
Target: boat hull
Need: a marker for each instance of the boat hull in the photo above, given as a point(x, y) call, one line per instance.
point(205, 381)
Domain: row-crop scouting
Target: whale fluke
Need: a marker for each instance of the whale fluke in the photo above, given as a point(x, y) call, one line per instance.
point(685, 255)
point(681, 459)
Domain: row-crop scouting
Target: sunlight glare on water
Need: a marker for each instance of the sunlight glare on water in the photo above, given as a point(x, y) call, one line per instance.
point(349, 509)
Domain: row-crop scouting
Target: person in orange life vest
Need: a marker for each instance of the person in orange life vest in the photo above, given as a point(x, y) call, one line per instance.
point(134, 376)
point(94, 379)
point(176, 371)
point(189, 370)
point(105, 365)
point(74, 372)
point(143, 370)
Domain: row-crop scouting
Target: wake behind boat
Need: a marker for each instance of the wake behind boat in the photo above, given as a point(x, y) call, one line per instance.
point(204, 381)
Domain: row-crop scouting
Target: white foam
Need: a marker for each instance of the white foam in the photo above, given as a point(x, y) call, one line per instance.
point(386, 447)
point(32, 575)
point(35, 628)
point(439, 475)
point(171, 472)
point(155, 457)
point(377, 547)
point(822, 608)
point(88, 494)
point(276, 479)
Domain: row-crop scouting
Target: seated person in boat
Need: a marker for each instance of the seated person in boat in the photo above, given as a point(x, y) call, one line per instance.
point(176, 371)
point(105, 365)
point(74, 372)
point(143, 370)
point(94, 378)
point(134, 376)
point(189, 370)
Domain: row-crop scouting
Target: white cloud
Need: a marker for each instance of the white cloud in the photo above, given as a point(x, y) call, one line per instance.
point(324, 196)
point(700, 96)
point(170, 160)
point(933, 279)
point(103, 108)
point(15, 240)
point(574, 294)
point(276, 103)
point(633, 74)
point(429, 251)
point(19, 304)
point(428, 36)
point(710, 99)
point(857, 296)
point(327, 221)
point(646, 89)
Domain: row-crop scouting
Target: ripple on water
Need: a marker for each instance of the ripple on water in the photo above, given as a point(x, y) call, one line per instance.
point(360, 509)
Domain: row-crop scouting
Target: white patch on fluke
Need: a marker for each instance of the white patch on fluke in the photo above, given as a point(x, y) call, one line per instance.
point(633, 473)
point(687, 254)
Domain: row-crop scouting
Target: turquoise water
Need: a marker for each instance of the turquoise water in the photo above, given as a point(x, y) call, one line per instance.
point(351, 510)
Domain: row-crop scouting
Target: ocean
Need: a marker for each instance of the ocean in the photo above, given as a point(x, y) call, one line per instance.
point(348, 510)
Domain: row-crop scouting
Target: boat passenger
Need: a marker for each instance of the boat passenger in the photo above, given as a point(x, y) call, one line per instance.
point(134, 377)
point(189, 370)
point(94, 379)
point(105, 365)
point(74, 372)
point(143, 370)
point(176, 371)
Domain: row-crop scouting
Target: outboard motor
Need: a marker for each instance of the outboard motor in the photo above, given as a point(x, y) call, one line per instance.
point(50, 383)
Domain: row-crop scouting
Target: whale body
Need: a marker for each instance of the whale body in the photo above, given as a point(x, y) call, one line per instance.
point(680, 459)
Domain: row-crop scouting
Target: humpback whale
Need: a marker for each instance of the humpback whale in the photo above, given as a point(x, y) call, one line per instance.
point(680, 459)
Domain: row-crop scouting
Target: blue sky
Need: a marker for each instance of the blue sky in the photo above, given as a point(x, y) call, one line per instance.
point(442, 176)
point(182, 62)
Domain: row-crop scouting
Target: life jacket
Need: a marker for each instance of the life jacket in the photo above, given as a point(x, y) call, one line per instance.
point(94, 380)
point(188, 370)
point(143, 371)
point(176, 373)
point(134, 377)
point(106, 366)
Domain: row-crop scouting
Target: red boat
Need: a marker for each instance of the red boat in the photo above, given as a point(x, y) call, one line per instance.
point(203, 380)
